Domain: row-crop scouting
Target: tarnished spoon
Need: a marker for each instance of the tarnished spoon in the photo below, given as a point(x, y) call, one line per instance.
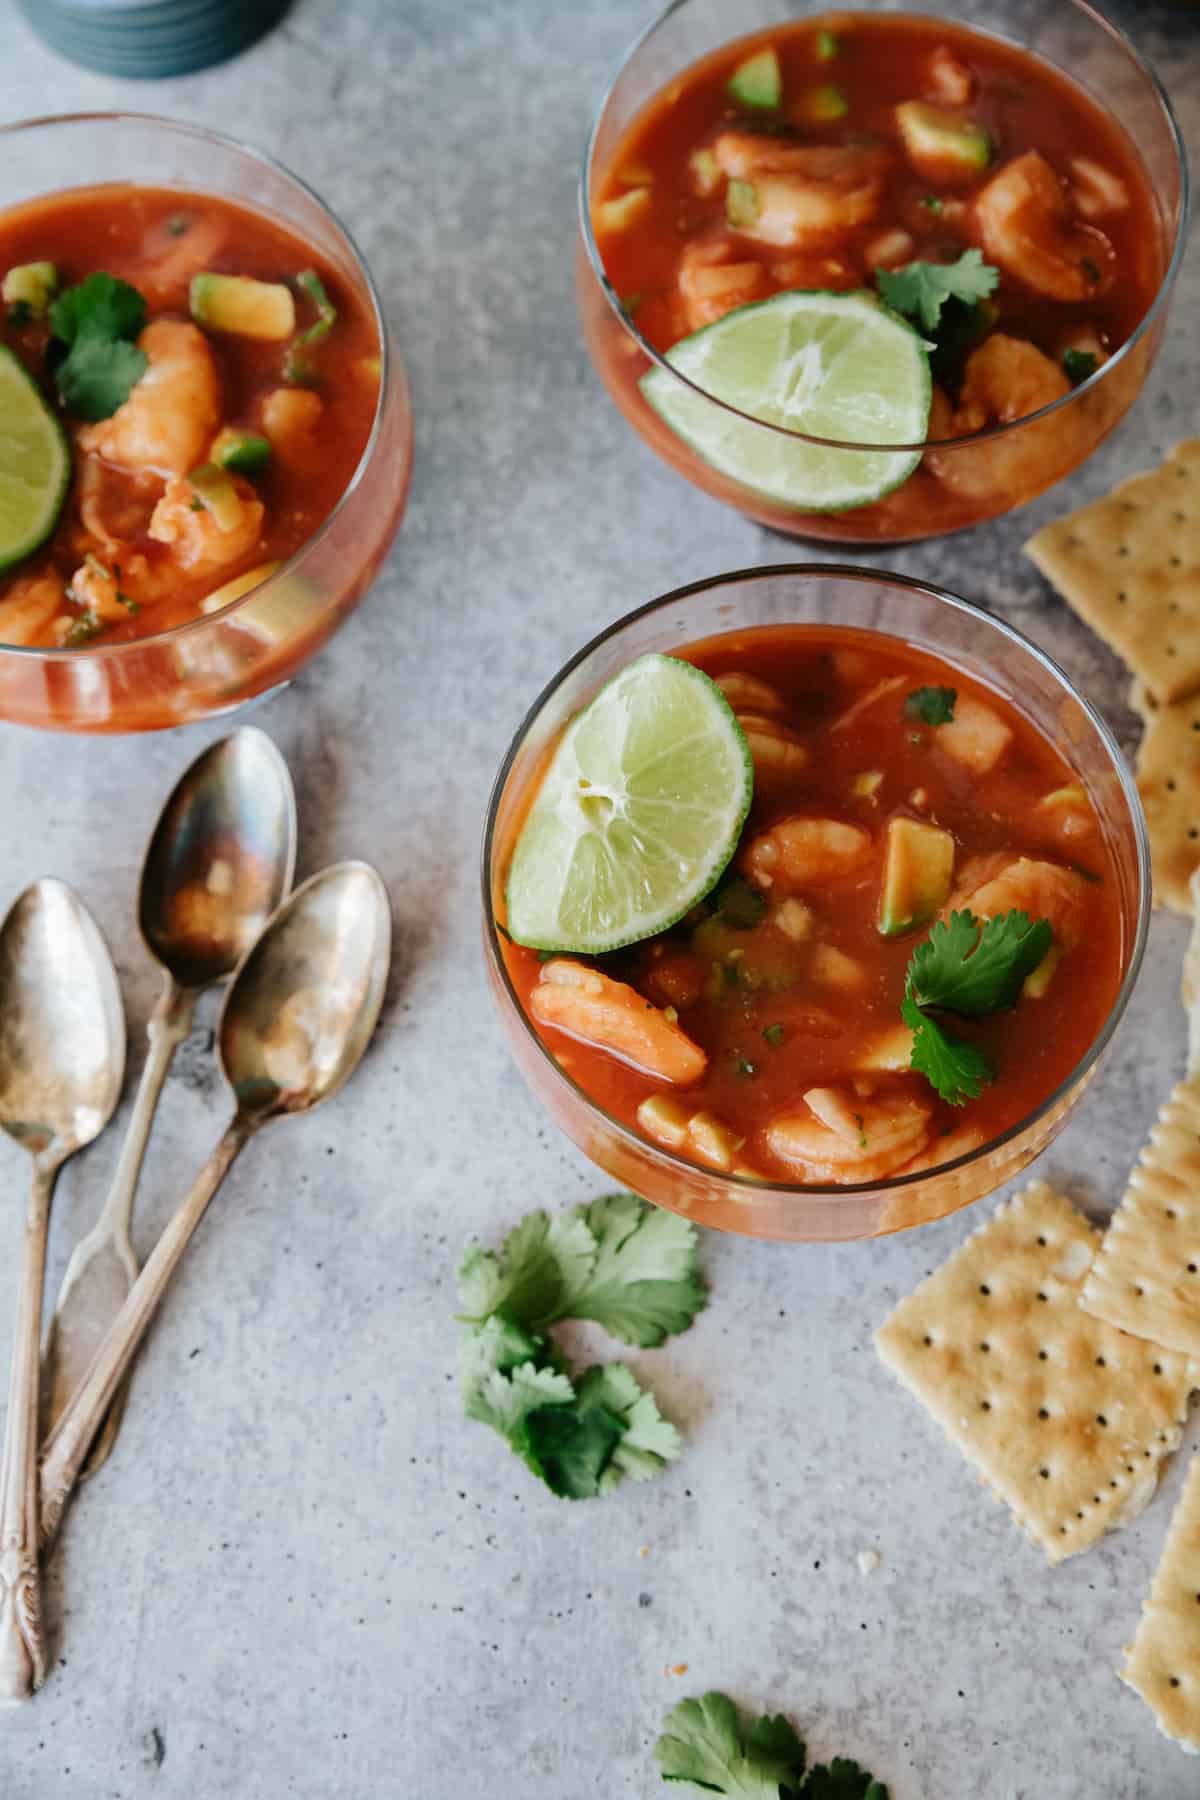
point(296, 1020)
point(220, 861)
point(62, 1059)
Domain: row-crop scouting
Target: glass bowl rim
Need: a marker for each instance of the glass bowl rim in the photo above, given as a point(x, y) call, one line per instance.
point(390, 368)
point(748, 1186)
point(1153, 312)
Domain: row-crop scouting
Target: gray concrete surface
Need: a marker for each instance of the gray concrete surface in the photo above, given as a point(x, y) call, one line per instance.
point(304, 1574)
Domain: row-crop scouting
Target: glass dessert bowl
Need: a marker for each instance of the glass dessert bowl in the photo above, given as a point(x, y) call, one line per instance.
point(742, 154)
point(1024, 803)
point(222, 516)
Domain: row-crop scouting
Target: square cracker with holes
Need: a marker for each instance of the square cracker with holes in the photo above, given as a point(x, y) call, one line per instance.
point(1129, 565)
point(1163, 1662)
point(1168, 778)
point(1146, 1276)
point(1067, 1419)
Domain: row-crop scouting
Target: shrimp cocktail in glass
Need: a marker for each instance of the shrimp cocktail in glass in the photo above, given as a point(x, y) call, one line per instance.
point(876, 276)
point(205, 450)
point(812, 896)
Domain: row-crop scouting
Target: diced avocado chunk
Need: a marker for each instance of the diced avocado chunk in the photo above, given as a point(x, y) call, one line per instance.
point(827, 46)
point(758, 81)
point(30, 285)
point(942, 143)
point(822, 105)
point(243, 306)
point(245, 452)
point(213, 489)
point(741, 205)
point(917, 875)
point(705, 174)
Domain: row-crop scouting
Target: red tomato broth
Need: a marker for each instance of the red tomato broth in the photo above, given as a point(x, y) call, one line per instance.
point(1022, 102)
point(130, 232)
point(1035, 1046)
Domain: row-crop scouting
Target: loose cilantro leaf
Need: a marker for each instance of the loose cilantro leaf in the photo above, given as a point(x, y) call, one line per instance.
point(933, 705)
point(707, 1742)
point(842, 1780)
point(648, 1442)
point(542, 1263)
point(974, 970)
point(644, 1284)
point(95, 362)
point(500, 1392)
point(570, 1447)
point(921, 289)
point(1078, 365)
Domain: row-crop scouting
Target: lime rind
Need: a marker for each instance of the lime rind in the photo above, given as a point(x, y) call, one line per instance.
point(638, 814)
point(833, 365)
point(35, 464)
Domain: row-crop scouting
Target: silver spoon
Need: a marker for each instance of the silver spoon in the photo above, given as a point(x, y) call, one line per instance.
point(220, 861)
point(295, 1023)
point(62, 1060)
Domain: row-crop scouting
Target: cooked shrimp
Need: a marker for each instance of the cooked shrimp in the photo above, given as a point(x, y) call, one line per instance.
point(776, 750)
point(799, 853)
point(29, 608)
point(290, 416)
point(805, 193)
point(976, 736)
point(165, 425)
point(198, 543)
point(1001, 883)
point(948, 80)
point(713, 281)
point(112, 589)
point(175, 249)
point(747, 693)
point(1025, 226)
point(598, 1010)
point(1004, 380)
point(1095, 190)
point(844, 1138)
point(945, 1149)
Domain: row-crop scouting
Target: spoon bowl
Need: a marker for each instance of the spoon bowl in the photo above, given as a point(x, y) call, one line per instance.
point(62, 1060)
point(221, 859)
point(62, 1026)
point(306, 1000)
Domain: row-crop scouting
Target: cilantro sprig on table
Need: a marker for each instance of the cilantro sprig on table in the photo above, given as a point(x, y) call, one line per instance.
point(627, 1266)
point(94, 358)
point(972, 967)
point(707, 1744)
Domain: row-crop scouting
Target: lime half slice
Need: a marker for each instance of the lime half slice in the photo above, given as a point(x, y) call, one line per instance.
point(638, 813)
point(833, 365)
point(35, 464)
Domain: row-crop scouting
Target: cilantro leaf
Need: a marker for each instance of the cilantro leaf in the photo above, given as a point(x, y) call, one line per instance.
point(648, 1442)
point(644, 1284)
point(842, 1780)
point(958, 1070)
point(932, 705)
point(95, 362)
point(706, 1742)
point(542, 1263)
point(972, 970)
point(497, 1391)
point(921, 289)
point(1078, 365)
point(570, 1447)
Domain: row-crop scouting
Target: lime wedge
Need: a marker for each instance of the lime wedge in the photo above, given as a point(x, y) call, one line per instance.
point(638, 813)
point(833, 365)
point(35, 464)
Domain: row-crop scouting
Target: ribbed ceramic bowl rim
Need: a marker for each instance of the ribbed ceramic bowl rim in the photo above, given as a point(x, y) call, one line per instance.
point(203, 135)
point(882, 577)
point(1156, 307)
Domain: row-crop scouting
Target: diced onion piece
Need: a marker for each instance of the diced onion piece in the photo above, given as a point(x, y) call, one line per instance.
point(618, 215)
point(241, 584)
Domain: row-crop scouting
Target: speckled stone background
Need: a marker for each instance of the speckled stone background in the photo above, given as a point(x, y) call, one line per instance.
point(304, 1573)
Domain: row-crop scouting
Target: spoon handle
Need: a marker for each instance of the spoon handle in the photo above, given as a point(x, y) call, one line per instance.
point(169, 1024)
point(103, 1267)
point(71, 1439)
point(22, 1648)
